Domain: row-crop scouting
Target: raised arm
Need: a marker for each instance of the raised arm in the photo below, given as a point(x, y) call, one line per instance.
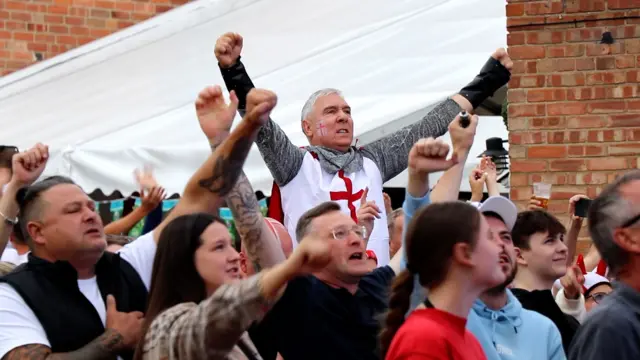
point(448, 186)
point(26, 168)
point(150, 199)
point(262, 246)
point(212, 182)
point(281, 156)
point(211, 329)
point(390, 152)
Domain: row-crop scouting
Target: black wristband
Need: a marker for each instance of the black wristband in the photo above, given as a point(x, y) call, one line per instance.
point(492, 77)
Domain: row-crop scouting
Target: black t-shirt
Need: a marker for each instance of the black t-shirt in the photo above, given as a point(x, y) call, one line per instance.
point(542, 302)
point(313, 320)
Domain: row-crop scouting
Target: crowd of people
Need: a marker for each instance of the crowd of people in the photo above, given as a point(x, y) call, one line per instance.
point(334, 272)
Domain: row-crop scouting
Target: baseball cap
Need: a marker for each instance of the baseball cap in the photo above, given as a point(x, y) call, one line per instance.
point(501, 206)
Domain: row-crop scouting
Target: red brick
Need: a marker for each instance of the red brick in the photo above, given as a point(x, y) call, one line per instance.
point(567, 165)
point(567, 108)
point(623, 4)
point(600, 107)
point(607, 77)
point(582, 35)
point(517, 38)
point(612, 163)
point(586, 121)
point(543, 7)
point(624, 149)
point(540, 95)
point(526, 110)
point(550, 122)
point(527, 52)
point(605, 63)
point(527, 165)
point(625, 120)
point(51, 27)
point(546, 152)
point(569, 50)
point(585, 6)
point(569, 79)
point(545, 37)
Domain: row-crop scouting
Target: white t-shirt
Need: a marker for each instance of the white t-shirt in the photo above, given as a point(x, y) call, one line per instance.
point(18, 323)
point(11, 255)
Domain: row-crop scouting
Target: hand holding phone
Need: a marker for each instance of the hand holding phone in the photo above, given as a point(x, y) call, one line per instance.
point(582, 207)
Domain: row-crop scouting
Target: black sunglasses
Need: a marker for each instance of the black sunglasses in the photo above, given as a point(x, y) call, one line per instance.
point(598, 297)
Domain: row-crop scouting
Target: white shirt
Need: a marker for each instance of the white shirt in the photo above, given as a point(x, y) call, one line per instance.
point(11, 255)
point(18, 323)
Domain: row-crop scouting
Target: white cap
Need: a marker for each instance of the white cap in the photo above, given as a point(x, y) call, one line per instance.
point(501, 206)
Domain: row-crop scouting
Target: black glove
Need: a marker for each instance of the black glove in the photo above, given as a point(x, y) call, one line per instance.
point(492, 77)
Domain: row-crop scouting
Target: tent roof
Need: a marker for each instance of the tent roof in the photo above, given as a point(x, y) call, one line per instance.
point(127, 99)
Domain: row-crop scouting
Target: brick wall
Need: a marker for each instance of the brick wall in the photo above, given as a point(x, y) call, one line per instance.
point(574, 104)
point(32, 30)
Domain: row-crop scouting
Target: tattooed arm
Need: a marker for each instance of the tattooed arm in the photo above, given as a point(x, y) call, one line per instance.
point(212, 182)
point(261, 245)
point(104, 347)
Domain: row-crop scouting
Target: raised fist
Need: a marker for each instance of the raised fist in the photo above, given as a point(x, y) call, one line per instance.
point(462, 137)
point(477, 180)
point(503, 56)
point(312, 254)
point(28, 165)
point(228, 49)
point(260, 102)
point(214, 114)
point(430, 155)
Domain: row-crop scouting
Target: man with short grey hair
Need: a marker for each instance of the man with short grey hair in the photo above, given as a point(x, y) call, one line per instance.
point(332, 168)
point(611, 331)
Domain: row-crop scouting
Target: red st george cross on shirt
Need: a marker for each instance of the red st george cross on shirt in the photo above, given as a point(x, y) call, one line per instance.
point(347, 195)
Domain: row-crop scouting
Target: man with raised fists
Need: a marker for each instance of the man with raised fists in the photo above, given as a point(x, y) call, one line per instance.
point(331, 168)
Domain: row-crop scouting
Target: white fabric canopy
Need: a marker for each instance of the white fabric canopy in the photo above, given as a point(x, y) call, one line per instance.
point(127, 100)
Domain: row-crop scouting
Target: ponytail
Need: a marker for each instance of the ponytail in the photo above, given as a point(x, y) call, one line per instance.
point(399, 302)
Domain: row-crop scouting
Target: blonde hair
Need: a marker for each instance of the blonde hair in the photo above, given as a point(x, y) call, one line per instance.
point(6, 267)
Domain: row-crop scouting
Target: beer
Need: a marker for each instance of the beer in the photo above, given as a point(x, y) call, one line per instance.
point(543, 202)
point(542, 194)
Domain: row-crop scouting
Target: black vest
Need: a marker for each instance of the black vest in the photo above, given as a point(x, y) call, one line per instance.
point(68, 318)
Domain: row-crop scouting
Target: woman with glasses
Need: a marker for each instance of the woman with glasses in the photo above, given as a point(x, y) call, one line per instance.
point(597, 288)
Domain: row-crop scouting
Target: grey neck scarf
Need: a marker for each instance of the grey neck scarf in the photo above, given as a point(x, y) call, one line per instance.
point(333, 161)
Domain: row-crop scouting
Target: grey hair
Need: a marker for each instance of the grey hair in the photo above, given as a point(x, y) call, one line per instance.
point(311, 101)
point(607, 212)
point(392, 218)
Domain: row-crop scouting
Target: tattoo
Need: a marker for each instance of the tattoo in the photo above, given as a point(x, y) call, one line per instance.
point(248, 218)
point(104, 347)
point(227, 168)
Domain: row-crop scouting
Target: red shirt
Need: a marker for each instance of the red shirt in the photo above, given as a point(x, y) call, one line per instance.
point(431, 334)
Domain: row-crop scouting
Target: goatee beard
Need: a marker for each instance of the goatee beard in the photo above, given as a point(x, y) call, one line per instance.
point(497, 290)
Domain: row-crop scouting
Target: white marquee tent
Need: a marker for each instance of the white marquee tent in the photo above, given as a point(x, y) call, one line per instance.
point(127, 100)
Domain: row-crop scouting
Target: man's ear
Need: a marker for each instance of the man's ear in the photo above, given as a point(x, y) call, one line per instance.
point(34, 231)
point(307, 128)
point(626, 239)
point(519, 258)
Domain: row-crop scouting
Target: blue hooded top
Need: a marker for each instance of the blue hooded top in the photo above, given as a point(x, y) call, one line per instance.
point(515, 333)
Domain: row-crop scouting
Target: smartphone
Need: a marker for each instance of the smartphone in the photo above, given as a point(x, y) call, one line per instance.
point(582, 207)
